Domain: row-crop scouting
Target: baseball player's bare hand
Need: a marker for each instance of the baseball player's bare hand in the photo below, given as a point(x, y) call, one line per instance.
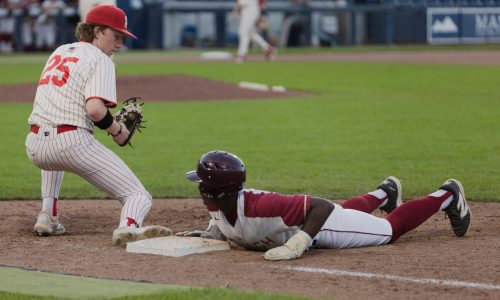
point(122, 137)
point(196, 233)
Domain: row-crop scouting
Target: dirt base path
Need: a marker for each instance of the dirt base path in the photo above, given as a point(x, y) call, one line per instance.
point(431, 252)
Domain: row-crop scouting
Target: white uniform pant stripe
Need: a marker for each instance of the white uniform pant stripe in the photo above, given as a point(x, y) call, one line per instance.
point(80, 153)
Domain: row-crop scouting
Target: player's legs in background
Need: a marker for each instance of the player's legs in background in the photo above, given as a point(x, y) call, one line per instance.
point(259, 40)
point(387, 197)
point(244, 35)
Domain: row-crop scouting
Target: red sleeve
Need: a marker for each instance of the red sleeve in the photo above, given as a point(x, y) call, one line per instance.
point(289, 207)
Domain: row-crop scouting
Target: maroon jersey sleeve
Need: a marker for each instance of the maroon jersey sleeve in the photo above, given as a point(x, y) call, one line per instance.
point(291, 208)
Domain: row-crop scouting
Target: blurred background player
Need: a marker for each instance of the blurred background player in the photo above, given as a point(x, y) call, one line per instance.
point(250, 11)
point(75, 90)
point(286, 225)
point(46, 24)
point(85, 5)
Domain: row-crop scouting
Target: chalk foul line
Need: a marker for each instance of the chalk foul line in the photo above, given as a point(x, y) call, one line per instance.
point(442, 282)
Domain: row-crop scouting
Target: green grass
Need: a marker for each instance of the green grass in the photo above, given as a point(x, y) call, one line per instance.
point(43, 285)
point(422, 123)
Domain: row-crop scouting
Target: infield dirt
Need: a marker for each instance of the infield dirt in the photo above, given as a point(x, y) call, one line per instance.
point(430, 252)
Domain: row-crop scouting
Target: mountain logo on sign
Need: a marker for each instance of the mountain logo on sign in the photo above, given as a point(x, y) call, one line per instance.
point(445, 26)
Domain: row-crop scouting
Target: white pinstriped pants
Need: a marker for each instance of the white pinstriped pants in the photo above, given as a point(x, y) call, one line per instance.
point(247, 29)
point(80, 153)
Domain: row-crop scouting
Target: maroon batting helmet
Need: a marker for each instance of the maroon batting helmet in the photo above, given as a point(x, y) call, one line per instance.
point(219, 173)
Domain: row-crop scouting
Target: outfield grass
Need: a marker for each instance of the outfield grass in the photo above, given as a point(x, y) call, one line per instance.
point(365, 121)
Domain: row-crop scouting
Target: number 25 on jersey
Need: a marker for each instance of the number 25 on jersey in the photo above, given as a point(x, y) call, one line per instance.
point(58, 63)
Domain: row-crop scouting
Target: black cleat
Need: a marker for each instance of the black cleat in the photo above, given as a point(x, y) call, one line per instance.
point(458, 211)
point(392, 186)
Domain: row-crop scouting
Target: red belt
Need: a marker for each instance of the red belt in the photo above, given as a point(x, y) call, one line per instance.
point(60, 129)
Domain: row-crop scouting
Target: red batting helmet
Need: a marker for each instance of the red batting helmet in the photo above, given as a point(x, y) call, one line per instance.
point(219, 173)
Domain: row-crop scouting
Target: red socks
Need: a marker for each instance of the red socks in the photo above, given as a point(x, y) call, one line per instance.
point(413, 213)
point(366, 203)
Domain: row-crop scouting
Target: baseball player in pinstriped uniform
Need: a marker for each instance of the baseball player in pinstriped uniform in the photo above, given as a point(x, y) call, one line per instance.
point(249, 15)
point(75, 89)
point(286, 225)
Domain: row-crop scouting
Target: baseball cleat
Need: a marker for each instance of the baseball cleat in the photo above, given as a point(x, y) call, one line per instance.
point(270, 53)
point(392, 186)
point(241, 59)
point(47, 225)
point(458, 211)
point(122, 236)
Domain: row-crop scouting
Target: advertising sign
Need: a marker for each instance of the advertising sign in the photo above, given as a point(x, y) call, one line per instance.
point(463, 25)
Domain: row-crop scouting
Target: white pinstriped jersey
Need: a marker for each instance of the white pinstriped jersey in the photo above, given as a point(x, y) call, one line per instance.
point(73, 74)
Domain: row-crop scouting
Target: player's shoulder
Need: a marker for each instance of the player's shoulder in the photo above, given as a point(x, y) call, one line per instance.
point(255, 194)
point(264, 198)
point(253, 197)
point(83, 49)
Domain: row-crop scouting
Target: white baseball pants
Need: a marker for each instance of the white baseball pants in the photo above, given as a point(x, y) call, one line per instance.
point(78, 152)
point(350, 228)
point(250, 13)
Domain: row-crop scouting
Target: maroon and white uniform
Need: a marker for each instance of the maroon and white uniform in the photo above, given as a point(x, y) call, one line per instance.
point(266, 220)
point(61, 138)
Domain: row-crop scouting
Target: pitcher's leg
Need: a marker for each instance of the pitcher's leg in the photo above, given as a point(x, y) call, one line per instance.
point(244, 43)
point(259, 40)
point(244, 33)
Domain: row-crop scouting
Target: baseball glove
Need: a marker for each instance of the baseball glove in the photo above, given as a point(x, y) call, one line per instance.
point(130, 115)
